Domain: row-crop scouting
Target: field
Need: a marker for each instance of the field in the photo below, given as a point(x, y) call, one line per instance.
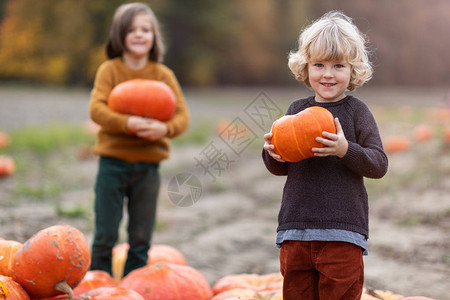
point(225, 220)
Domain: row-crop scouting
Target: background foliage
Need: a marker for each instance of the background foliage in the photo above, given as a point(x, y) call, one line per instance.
point(232, 42)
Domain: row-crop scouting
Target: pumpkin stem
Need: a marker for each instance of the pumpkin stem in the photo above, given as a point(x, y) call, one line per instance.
point(63, 287)
point(3, 291)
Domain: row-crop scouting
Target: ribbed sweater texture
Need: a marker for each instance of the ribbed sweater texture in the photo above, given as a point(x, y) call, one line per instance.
point(329, 192)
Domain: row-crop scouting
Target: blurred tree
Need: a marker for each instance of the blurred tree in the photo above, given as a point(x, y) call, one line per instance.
point(255, 42)
point(222, 42)
point(232, 42)
point(20, 37)
point(408, 38)
point(411, 42)
point(198, 33)
point(52, 41)
point(2, 9)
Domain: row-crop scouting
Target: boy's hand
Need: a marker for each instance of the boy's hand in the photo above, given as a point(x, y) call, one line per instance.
point(133, 123)
point(270, 148)
point(147, 128)
point(335, 144)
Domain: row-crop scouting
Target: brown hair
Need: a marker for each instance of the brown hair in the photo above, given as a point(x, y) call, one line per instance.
point(122, 21)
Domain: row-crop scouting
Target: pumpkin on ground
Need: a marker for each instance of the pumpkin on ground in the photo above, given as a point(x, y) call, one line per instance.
point(294, 136)
point(386, 295)
point(222, 125)
point(235, 294)
point(366, 296)
point(169, 282)
point(119, 257)
point(416, 298)
point(423, 133)
point(4, 140)
point(52, 262)
point(143, 97)
point(7, 165)
point(242, 294)
point(255, 282)
point(165, 253)
point(8, 250)
point(11, 290)
point(447, 134)
point(396, 144)
point(112, 293)
point(231, 128)
point(369, 294)
point(157, 253)
point(101, 293)
point(93, 280)
point(440, 114)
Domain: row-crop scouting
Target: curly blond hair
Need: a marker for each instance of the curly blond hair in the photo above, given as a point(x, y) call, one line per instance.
point(332, 37)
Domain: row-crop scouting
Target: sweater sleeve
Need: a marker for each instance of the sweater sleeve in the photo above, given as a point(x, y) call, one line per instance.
point(366, 156)
point(100, 113)
point(274, 167)
point(180, 121)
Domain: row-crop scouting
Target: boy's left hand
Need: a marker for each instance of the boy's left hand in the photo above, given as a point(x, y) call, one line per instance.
point(334, 144)
point(151, 129)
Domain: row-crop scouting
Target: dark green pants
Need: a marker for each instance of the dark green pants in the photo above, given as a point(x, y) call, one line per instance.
point(118, 180)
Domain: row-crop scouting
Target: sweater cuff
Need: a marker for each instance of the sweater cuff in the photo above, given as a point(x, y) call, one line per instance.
point(352, 151)
point(170, 130)
point(125, 127)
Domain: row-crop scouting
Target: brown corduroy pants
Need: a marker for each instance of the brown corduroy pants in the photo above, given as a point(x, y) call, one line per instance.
point(321, 270)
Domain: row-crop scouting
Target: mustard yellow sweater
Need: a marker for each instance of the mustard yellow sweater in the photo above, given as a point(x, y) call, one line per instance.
point(113, 138)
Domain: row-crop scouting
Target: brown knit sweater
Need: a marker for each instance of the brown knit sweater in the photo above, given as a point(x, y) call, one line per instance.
point(329, 192)
point(113, 139)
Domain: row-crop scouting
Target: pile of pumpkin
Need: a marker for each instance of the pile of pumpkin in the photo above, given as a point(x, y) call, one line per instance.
point(54, 264)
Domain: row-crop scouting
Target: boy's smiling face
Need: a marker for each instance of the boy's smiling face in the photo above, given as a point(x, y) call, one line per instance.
point(329, 79)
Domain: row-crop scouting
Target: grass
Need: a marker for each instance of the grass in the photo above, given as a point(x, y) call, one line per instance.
point(45, 140)
point(200, 132)
point(78, 211)
point(41, 192)
point(423, 171)
point(34, 147)
point(409, 221)
point(34, 150)
point(423, 166)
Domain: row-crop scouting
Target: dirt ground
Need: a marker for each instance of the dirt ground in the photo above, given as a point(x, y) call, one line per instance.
point(226, 222)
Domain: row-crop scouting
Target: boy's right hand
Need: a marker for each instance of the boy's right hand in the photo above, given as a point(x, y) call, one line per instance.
point(147, 128)
point(133, 123)
point(271, 148)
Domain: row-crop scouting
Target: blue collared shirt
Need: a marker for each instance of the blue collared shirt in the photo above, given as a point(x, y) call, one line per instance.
point(322, 235)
